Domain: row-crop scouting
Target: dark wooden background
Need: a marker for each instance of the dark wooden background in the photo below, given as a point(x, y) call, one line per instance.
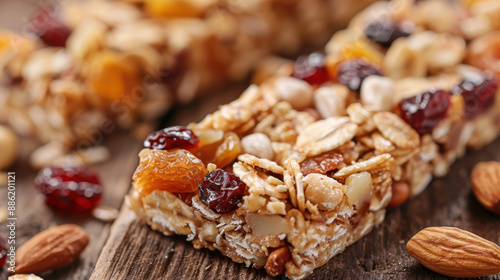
point(128, 249)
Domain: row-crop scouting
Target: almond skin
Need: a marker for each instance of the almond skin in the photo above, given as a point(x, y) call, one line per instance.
point(486, 184)
point(455, 252)
point(52, 248)
point(275, 265)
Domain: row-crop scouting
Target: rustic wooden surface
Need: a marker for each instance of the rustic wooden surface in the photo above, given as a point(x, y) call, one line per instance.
point(131, 250)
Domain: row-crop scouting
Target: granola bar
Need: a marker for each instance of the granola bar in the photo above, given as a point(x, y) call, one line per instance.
point(100, 63)
point(302, 165)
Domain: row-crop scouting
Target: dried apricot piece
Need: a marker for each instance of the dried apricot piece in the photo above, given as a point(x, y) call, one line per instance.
point(111, 76)
point(221, 152)
point(171, 9)
point(175, 171)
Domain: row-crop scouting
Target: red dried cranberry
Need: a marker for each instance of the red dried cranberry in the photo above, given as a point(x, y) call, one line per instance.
point(221, 191)
point(478, 92)
point(386, 32)
point(3, 251)
point(47, 26)
point(353, 72)
point(72, 188)
point(424, 111)
point(311, 68)
point(172, 137)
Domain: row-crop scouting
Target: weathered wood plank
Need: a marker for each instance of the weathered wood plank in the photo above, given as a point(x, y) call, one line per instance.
point(34, 216)
point(141, 253)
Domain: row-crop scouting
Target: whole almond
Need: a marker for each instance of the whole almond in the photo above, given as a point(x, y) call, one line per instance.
point(455, 252)
point(486, 184)
point(275, 264)
point(52, 248)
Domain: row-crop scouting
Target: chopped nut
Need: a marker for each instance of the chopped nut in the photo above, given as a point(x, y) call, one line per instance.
point(330, 100)
point(105, 213)
point(377, 93)
point(296, 92)
point(359, 188)
point(323, 191)
point(259, 145)
point(267, 224)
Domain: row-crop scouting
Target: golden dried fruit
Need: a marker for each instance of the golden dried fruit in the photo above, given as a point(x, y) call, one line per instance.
point(51, 249)
point(455, 252)
point(175, 171)
point(486, 184)
point(111, 76)
point(171, 9)
point(221, 152)
point(8, 147)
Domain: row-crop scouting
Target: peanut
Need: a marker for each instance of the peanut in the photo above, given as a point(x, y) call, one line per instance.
point(400, 193)
point(275, 264)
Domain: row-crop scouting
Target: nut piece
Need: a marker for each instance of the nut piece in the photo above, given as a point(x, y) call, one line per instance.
point(24, 277)
point(52, 248)
point(323, 191)
point(359, 188)
point(259, 145)
point(8, 147)
point(485, 182)
point(400, 193)
point(275, 264)
point(455, 252)
point(296, 92)
point(377, 93)
point(330, 100)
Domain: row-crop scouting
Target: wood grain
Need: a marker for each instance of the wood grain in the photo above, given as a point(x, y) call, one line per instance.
point(136, 251)
point(131, 250)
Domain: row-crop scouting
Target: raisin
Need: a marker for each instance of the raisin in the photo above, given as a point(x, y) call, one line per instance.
point(478, 92)
point(73, 188)
point(321, 164)
point(171, 138)
point(353, 72)
point(311, 68)
point(385, 33)
point(424, 111)
point(47, 26)
point(175, 171)
point(3, 251)
point(221, 191)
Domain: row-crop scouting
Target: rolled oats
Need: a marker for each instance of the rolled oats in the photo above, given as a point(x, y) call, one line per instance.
point(325, 135)
point(317, 215)
point(396, 130)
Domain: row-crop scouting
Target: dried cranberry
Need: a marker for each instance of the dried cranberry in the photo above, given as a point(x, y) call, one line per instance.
point(478, 92)
point(47, 26)
point(386, 32)
point(221, 191)
point(311, 68)
point(72, 188)
point(352, 73)
point(172, 137)
point(3, 251)
point(424, 111)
